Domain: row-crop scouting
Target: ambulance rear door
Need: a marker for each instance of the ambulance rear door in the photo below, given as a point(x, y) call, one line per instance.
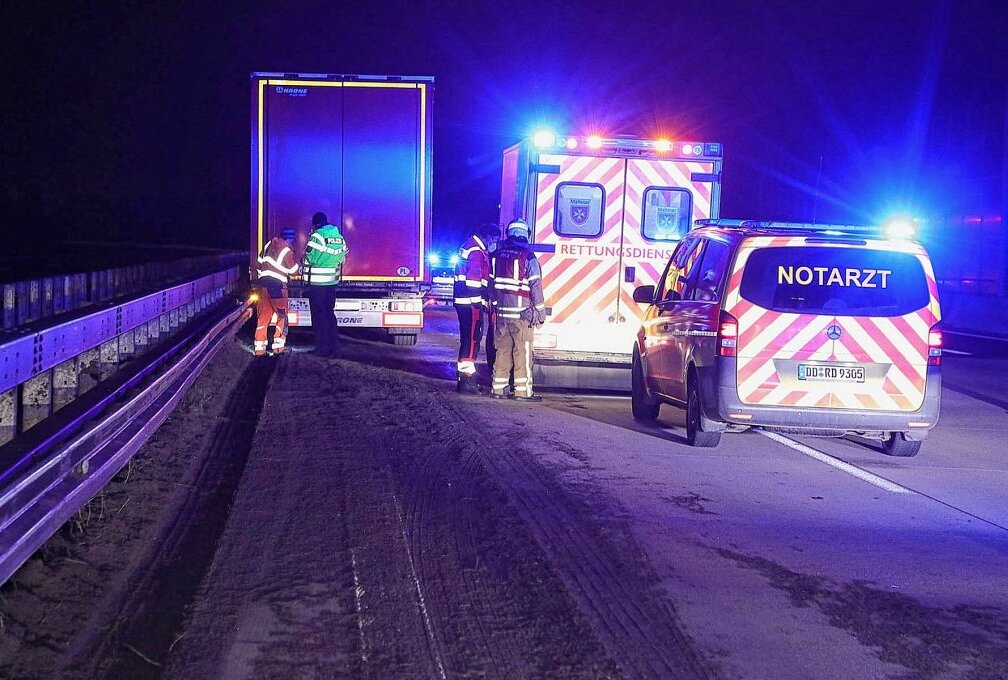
point(578, 216)
point(662, 199)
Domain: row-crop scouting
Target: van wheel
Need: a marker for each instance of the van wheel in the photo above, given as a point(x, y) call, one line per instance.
point(897, 444)
point(643, 406)
point(695, 433)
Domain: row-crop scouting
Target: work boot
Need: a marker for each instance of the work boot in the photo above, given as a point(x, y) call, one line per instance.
point(466, 385)
point(534, 397)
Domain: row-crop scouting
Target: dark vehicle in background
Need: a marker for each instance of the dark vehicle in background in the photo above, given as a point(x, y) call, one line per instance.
point(822, 330)
point(358, 149)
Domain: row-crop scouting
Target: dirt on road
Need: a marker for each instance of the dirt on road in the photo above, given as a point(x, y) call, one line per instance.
point(376, 524)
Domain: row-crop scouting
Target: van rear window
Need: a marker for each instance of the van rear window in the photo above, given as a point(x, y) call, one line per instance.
point(841, 281)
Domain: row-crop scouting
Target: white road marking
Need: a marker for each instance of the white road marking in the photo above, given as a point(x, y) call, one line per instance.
point(432, 639)
point(955, 351)
point(852, 470)
point(358, 595)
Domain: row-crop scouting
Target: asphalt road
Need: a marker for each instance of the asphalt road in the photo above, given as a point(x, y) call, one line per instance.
point(383, 526)
point(807, 557)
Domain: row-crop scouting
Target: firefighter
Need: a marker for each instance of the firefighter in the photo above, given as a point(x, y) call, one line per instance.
point(321, 270)
point(276, 264)
point(470, 297)
point(516, 295)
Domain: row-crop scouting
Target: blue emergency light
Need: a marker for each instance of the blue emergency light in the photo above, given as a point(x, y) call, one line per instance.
point(900, 226)
point(453, 260)
point(544, 138)
point(434, 258)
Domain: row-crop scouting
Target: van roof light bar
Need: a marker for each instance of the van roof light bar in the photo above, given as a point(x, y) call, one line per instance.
point(770, 225)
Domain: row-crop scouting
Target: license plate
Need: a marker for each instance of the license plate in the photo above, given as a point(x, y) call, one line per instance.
point(842, 374)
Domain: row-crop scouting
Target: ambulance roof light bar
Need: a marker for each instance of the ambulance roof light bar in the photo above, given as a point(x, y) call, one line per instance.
point(545, 139)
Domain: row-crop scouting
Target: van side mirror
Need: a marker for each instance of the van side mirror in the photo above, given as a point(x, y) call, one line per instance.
point(644, 294)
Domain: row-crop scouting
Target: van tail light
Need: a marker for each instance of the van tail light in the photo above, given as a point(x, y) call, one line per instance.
point(935, 339)
point(727, 335)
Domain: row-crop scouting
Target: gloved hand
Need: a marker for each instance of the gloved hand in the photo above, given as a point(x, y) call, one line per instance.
point(538, 317)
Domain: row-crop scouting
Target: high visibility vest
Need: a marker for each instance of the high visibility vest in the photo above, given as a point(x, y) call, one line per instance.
point(322, 264)
point(276, 262)
point(515, 281)
point(472, 273)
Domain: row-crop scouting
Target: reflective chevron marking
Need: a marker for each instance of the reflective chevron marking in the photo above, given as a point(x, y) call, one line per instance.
point(897, 345)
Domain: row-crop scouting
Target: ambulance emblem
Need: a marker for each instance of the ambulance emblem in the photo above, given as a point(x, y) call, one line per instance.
point(579, 213)
point(667, 217)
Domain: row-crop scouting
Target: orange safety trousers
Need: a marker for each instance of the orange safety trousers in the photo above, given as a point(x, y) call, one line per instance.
point(271, 310)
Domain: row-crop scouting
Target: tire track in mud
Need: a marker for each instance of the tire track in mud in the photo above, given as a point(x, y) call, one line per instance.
point(496, 607)
point(638, 625)
point(148, 620)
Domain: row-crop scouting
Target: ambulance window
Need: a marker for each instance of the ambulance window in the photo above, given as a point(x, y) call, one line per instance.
point(711, 272)
point(667, 213)
point(579, 209)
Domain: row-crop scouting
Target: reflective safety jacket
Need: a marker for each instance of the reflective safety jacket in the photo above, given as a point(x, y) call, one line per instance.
point(516, 281)
point(276, 262)
point(472, 273)
point(322, 264)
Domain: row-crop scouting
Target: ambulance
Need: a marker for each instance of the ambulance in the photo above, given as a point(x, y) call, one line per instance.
point(823, 330)
point(606, 214)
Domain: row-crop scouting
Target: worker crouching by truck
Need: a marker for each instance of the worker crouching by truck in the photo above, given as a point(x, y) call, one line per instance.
point(275, 265)
point(516, 295)
point(472, 273)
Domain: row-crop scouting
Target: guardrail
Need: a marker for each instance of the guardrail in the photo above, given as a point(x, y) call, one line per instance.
point(25, 302)
point(57, 477)
point(43, 371)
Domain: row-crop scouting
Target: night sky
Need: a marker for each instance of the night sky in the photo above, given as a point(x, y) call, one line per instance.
point(132, 122)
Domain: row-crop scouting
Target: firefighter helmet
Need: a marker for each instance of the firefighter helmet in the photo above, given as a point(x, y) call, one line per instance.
point(519, 228)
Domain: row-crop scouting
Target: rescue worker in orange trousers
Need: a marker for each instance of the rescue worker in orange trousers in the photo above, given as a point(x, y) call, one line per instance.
point(516, 295)
point(275, 265)
point(472, 274)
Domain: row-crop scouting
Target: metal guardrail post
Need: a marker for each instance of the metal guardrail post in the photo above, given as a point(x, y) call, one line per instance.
point(46, 294)
point(9, 306)
point(66, 383)
point(126, 345)
point(36, 400)
point(8, 415)
point(35, 300)
point(89, 370)
point(108, 360)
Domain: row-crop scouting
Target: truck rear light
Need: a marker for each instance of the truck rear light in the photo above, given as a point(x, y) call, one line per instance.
point(405, 306)
point(292, 318)
point(727, 335)
point(935, 340)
